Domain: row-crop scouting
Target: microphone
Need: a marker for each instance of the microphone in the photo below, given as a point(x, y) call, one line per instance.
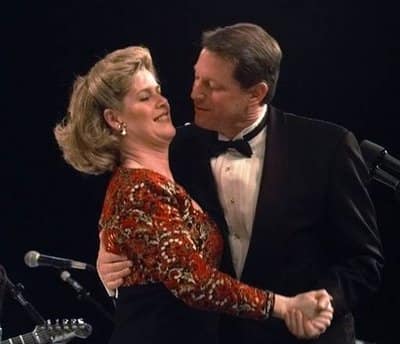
point(34, 259)
point(376, 155)
point(66, 277)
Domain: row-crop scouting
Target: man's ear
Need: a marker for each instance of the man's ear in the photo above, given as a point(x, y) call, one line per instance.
point(112, 118)
point(259, 91)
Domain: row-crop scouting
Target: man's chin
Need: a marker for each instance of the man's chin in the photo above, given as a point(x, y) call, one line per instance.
point(204, 124)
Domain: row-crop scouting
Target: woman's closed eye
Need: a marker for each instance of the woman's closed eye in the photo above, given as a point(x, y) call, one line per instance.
point(146, 95)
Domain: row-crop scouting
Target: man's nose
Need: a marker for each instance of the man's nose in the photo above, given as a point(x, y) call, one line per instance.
point(196, 92)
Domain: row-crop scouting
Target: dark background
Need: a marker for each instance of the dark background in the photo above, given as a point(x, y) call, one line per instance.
point(341, 64)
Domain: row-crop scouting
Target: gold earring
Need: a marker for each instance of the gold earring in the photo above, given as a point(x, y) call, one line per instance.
point(122, 128)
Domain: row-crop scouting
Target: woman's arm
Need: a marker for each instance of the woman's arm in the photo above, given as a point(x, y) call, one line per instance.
point(148, 228)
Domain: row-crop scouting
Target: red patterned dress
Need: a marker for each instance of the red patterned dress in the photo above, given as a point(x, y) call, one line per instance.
point(152, 220)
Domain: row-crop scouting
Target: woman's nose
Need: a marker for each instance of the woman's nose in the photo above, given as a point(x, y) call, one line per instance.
point(163, 101)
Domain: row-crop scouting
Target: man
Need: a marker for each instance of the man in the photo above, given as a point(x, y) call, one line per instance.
point(291, 202)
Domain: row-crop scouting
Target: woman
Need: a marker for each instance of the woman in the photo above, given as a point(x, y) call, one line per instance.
point(119, 121)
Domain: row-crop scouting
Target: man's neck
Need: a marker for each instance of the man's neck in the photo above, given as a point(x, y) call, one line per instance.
point(241, 125)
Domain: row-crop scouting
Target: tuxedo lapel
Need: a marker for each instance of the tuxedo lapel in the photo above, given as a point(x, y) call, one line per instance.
point(271, 202)
point(205, 191)
point(216, 211)
point(207, 188)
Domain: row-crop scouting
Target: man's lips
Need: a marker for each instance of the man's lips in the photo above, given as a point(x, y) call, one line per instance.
point(200, 108)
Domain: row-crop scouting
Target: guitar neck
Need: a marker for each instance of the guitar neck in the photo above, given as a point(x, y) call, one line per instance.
point(27, 338)
point(60, 332)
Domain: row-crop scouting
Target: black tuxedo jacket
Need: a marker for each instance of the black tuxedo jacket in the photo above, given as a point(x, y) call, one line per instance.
point(314, 227)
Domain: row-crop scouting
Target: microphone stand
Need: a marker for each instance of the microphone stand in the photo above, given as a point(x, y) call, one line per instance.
point(84, 294)
point(16, 293)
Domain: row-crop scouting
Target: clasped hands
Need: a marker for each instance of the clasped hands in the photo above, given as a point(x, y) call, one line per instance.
point(307, 315)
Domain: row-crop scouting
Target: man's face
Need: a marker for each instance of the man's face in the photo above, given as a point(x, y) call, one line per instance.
point(220, 103)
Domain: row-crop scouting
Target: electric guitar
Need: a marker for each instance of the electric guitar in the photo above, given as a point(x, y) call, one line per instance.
point(59, 332)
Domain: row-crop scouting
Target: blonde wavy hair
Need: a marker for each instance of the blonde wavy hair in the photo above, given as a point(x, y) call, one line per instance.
point(86, 140)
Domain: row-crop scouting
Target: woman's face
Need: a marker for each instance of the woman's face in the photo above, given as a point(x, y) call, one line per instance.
point(146, 112)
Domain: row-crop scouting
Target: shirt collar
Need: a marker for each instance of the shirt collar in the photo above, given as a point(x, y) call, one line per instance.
point(249, 128)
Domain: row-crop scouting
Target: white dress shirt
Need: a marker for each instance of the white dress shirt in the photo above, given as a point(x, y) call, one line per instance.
point(238, 184)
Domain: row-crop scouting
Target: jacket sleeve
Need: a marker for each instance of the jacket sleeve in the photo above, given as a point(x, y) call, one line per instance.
point(357, 274)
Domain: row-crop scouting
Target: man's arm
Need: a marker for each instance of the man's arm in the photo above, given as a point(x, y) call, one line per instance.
point(353, 234)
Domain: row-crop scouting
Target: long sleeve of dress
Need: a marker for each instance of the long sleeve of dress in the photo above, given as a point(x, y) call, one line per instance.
point(169, 243)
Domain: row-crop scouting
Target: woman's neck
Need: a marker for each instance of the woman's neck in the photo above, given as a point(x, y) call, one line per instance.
point(152, 160)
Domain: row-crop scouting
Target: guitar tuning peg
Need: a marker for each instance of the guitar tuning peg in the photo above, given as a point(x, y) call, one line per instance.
point(73, 324)
point(80, 321)
point(65, 322)
point(48, 322)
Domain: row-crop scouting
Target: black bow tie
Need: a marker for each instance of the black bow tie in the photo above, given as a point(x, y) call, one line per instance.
point(241, 145)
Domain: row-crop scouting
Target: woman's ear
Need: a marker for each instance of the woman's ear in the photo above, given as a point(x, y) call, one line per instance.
point(112, 119)
point(259, 91)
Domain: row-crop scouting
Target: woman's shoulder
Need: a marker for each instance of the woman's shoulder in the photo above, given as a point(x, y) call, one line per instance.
point(145, 181)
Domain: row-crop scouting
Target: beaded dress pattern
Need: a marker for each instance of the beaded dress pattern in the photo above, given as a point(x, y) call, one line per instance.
point(153, 222)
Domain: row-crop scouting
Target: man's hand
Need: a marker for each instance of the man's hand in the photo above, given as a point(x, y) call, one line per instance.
point(112, 268)
point(308, 315)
